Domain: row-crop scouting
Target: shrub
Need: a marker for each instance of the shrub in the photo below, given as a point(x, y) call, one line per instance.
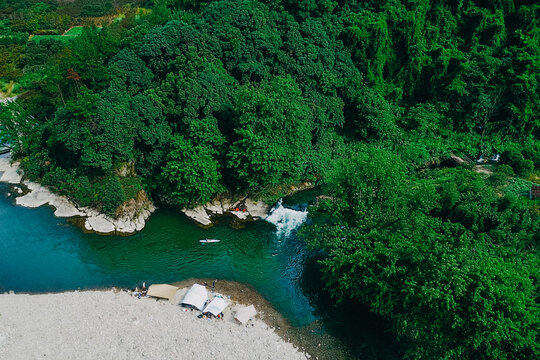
point(526, 167)
point(112, 195)
point(505, 170)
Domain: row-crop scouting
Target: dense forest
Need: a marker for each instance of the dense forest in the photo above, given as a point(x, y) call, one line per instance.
point(370, 99)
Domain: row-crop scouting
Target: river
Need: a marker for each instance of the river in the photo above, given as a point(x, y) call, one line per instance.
point(42, 253)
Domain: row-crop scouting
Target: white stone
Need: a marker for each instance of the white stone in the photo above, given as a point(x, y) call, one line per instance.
point(38, 196)
point(257, 209)
point(199, 215)
point(226, 205)
point(100, 224)
point(139, 226)
point(241, 215)
point(10, 172)
point(214, 207)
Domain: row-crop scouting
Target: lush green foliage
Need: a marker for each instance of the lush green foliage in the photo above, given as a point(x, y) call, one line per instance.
point(451, 263)
point(245, 95)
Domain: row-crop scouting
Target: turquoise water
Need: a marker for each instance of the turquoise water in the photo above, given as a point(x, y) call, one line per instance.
point(39, 252)
point(42, 253)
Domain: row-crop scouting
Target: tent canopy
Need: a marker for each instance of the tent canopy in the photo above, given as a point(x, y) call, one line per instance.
point(163, 291)
point(244, 314)
point(196, 296)
point(216, 306)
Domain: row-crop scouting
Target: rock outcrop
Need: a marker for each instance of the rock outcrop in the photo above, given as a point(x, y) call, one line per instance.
point(132, 215)
point(243, 210)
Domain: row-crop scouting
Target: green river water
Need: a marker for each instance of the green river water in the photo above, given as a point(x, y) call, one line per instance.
point(42, 253)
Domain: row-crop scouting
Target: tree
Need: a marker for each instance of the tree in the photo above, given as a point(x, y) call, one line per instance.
point(191, 175)
point(273, 134)
point(447, 290)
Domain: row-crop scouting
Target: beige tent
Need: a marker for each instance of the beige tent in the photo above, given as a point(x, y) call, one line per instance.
point(163, 291)
point(196, 296)
point(216, 307)
point(244, 314)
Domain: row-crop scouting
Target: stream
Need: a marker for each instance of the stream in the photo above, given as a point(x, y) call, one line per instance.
point(42, 253)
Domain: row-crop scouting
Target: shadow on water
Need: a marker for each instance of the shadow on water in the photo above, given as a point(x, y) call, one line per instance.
point(47, 254)
point(355, 332)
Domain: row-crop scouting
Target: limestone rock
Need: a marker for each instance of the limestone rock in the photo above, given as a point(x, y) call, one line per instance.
point(65, 208)
point(37, 196)
point(241, 215)
point(257, 209)
point(134, 212)
point(101, 224)
point(199, 215)
point(10, 172)
point(214, 207)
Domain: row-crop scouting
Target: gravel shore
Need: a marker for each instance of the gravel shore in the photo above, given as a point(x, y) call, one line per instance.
point(115, 325)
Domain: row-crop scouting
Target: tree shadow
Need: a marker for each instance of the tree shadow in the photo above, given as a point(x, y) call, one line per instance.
point(365, 335)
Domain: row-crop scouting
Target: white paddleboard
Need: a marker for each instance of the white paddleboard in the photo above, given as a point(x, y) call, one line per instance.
point(209, 240)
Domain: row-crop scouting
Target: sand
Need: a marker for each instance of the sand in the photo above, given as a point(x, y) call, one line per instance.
point(115, 325)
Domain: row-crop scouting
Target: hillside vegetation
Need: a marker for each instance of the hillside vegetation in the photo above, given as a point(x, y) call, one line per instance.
point(368, 97)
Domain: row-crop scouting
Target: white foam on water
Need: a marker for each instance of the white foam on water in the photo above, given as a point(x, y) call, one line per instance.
point(286, 220)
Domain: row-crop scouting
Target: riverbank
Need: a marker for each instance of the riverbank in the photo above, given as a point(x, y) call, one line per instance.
point(241, 210)
point(90, 220)
point(310, 339)
point(113, 324)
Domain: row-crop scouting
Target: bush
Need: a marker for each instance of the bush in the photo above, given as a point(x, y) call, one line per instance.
point(95, 10)
point(526, 167)
point(512, 157)
point(505, 170)
point(501, 175)
point(131, 186)
point(515, 159)
point(63, 182)
point(112, 195)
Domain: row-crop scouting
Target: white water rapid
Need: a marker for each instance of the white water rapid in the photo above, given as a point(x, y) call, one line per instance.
point(286, 220)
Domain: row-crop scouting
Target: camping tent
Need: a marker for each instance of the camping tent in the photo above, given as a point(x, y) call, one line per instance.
point(196, 296)
point(245, 313)
point(164, 291)
point(216, 307)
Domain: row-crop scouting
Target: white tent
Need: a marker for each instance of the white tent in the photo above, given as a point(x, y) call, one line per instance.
point(164, 291)
point(196, 296)
point(244, 314)
point(216, 306)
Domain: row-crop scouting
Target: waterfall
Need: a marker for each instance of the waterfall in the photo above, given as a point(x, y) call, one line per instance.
point(286, 220)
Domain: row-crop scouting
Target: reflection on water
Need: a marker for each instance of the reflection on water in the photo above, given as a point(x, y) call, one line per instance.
point(40, 253)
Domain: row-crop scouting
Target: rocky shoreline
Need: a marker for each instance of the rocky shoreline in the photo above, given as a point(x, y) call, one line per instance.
point(33, 195)
point(112, 324)
point(135, 213)
point(242, 210)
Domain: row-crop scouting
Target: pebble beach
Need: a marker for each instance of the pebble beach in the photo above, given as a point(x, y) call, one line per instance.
point(112, 324)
